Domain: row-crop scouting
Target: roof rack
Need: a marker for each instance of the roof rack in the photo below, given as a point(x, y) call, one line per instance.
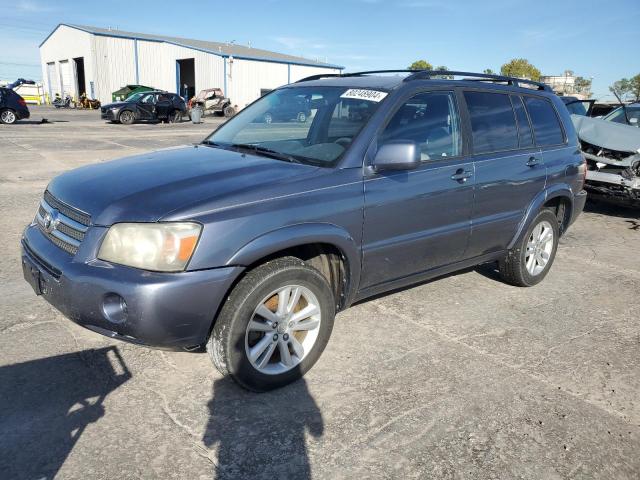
point(428, 74)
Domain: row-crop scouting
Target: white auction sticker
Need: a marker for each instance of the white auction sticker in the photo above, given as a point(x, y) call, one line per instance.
point(361, 94)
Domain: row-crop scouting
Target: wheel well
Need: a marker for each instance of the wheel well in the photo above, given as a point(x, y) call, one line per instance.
point(324, 257)
point(561, 207)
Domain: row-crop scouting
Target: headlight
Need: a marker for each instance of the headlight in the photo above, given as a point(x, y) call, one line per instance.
point(163, 247)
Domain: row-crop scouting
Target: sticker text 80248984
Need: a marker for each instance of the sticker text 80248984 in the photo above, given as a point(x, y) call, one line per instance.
point(362, 94)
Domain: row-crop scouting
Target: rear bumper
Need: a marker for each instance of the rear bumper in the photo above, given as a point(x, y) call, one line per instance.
point(579, 199)
point(164, 310)
point(22, 114)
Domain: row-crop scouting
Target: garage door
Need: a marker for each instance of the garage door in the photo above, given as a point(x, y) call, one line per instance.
point(66, 78)
point(52, 80)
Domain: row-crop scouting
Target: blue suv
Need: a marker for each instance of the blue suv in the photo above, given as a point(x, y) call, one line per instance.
point(250, 242)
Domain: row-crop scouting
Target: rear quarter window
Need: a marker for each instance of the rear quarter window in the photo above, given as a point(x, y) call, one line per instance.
point(493, 122)
point(546, 125)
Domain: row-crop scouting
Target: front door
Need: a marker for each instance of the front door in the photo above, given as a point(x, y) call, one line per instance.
point(147, 107)
point(419, 219)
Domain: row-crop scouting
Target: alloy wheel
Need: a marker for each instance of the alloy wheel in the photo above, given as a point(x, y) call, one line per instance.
point(539, 248)
point(8, 116)
point(283, 329)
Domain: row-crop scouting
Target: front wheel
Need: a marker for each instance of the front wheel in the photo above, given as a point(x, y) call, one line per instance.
point(274, 326)
point(126, 117)
point(8, 116)
point(529, 262)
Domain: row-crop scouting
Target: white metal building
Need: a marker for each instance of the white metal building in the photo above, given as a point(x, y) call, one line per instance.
point(98, 61)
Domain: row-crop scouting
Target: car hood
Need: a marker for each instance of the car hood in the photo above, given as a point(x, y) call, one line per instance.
point(115, 104)
point(148, 187)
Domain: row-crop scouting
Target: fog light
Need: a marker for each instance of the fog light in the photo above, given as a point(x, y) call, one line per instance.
point(114, 308)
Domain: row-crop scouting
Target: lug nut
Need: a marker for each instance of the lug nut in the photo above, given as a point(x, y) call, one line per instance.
point(274, 325)
point(285, 337)
point(275, 337)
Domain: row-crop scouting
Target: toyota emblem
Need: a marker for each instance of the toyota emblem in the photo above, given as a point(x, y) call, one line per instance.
point(50, 220)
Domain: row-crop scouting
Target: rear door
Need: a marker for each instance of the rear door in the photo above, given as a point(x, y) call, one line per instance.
point(164, 105)
point(418, 220)
point(510, 170)
point(550, 138)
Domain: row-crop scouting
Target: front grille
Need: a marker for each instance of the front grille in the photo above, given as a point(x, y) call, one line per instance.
point(63, 225)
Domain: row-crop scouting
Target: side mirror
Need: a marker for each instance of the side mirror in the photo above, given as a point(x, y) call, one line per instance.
point(397, 155)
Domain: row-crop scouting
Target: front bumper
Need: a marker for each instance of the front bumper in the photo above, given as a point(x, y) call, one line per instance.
point(107, 114)
point(165, 310)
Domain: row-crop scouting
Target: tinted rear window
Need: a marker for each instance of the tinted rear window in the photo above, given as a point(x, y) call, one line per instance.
point(493, 123)
point(546, 125)
point(524, 128)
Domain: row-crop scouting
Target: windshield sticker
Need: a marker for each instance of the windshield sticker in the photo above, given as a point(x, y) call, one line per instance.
point(369, 95)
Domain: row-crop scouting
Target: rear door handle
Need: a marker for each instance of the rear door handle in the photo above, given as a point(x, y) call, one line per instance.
point(533, 161)
point(461, 175)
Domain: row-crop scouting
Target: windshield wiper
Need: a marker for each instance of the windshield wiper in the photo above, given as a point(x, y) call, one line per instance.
point(266, 152)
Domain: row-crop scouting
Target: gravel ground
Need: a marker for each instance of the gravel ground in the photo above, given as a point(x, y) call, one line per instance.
point(461, 377)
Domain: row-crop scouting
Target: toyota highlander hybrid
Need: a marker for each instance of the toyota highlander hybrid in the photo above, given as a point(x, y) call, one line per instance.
point(250, 242)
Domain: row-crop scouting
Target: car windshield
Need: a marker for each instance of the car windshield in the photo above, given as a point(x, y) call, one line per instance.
point(135, 97)
point(618, 115)
point(313, 125)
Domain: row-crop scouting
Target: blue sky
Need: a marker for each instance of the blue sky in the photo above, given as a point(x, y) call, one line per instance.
point(594, 38)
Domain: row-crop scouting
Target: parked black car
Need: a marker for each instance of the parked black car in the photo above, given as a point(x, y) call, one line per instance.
point(12, 106)
point(146, 106)
point(296, 108)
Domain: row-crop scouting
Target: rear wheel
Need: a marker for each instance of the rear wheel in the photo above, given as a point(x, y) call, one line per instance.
point(8, 116)
point(529, 262)
point(274, 325)
point(229, 111)
point(175, 116)
point(126, 117)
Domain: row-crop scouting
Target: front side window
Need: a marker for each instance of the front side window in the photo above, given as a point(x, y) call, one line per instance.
point(546, 126)
point(618, 116)
point(313, 125)
point(149, 99)
point(430, 120)
point(493, 122)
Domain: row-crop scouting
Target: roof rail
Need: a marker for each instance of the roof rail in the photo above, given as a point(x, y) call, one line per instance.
point(354, 74)
point(428, 74)
point(479, 77)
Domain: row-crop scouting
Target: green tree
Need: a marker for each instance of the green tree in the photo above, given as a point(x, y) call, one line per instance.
point(521, 68)
point(635, 87)
point(488, 71)
point(583, 85)
point(621, 88)
point(443, 68)
point(420, 65)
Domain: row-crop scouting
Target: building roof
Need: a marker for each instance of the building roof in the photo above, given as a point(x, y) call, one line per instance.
point(216, 48)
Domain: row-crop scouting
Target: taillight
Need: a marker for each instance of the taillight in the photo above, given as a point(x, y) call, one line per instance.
point(582, 171)
point(22, 102)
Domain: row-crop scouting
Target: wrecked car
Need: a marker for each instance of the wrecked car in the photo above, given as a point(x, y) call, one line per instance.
point(612, 151)
point(628, 114)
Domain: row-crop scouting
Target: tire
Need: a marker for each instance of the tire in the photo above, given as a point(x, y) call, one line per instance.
point(175, 117)
point(234, 334)
point(229, 111)
point(268, 118)
point(518, 267)
point(126, 117)
point(8, 116)
point(302, 117)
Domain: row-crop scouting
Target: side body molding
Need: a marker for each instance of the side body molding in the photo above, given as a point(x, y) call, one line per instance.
point(303, 234)
point(553, 191)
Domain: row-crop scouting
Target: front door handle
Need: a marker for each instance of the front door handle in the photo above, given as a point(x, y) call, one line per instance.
point(461, 175)
point(533, 161)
